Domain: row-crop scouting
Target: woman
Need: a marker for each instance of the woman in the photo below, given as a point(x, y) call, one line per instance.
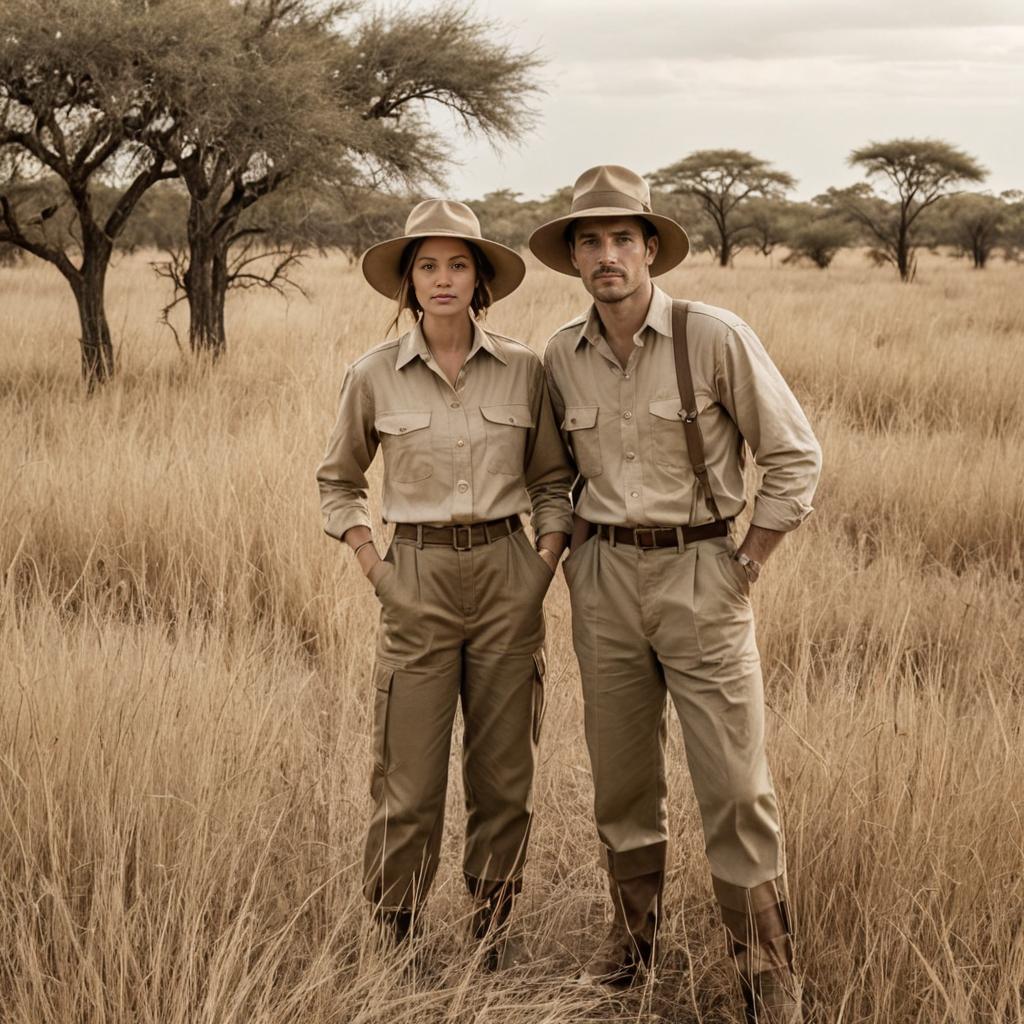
point(469, 443)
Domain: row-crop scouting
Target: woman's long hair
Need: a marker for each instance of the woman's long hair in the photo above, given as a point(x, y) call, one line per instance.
point(406, 297)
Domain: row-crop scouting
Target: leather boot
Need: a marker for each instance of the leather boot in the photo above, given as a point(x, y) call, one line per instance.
point(492, 925)
point(393, 927)
point(761, 945)
point(772, 997)
point(629, 947)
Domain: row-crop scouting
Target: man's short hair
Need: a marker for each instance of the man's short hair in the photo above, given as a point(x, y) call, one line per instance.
point(647, 229)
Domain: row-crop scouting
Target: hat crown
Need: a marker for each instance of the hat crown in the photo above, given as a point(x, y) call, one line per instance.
point(609, 185)
point(442, 217)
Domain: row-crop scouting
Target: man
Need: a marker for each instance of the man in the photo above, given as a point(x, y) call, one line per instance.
point(659, 589)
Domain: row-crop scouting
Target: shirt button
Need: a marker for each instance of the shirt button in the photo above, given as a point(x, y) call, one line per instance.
point(462, 486)
point(626, 375)
point(572, 419)
point(461, 443)
point(402, 430)
point(426, 358)
point(627, 415)
point(634, 494)
point(630, 456)
point(456, 405)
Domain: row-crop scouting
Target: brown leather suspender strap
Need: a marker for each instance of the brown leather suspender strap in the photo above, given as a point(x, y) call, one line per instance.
point(688, 412)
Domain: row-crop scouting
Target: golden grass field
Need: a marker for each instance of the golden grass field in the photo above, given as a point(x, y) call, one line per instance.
point(185, 657)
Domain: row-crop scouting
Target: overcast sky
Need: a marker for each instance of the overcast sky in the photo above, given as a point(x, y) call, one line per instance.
point(797, 82)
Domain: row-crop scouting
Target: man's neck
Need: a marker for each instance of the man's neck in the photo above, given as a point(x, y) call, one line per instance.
point(622, 320)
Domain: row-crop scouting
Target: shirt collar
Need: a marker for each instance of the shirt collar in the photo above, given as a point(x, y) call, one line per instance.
point(413, 344)
point(658, 319)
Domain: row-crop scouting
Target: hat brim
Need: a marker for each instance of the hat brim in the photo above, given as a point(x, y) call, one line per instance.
point(381, 263)
point(548, 243)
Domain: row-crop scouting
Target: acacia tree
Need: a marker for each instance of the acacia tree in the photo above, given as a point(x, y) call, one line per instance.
point(723, 179)
point(914, 175)
point(768, 223)
point(76, 108)
point(816, 234)
point(331, 98)
point(972, 223)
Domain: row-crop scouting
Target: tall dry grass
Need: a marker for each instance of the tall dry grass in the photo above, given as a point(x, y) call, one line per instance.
point(184, 676)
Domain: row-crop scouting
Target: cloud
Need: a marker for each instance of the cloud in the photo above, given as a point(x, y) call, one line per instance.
point(579, 30)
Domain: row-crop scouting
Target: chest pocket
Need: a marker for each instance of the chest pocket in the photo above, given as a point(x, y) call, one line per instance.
point(505, 428)
point(667, 437)
point(581, 425)
point(405, 438)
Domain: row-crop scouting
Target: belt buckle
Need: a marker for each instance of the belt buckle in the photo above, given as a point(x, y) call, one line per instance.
point(637, 530)
point(469, 538)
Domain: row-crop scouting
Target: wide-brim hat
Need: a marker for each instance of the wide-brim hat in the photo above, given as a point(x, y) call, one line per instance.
point(609, 191)
point(381, 263)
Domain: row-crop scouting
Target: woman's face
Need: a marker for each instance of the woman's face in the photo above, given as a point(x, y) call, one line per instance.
point(444, 276)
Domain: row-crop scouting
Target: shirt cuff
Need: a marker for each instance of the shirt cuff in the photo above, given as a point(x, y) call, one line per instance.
point(779, 514)
point(339, 522)
point(552, 522)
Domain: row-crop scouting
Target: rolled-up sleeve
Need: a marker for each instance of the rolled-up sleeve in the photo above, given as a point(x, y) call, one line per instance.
point(353, 444)
point(548, 472)
point(771, 420)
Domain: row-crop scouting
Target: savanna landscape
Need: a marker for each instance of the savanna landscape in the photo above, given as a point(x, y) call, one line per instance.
point(185, 673)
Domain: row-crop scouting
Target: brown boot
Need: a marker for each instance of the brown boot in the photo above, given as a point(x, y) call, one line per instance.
point(393, 927)
point(492, 925)
point(761, 945)
point(772, 997)
point(629, 947)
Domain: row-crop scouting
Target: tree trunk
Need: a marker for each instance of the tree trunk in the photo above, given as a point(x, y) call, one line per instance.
point(903, 254)
point(89, 287)
point(206, 278)
point(206, 286)
point(724, 251)
point(979, 251)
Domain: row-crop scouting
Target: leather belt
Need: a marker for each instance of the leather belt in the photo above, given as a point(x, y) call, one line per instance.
point(461, 537)
point(649, 537)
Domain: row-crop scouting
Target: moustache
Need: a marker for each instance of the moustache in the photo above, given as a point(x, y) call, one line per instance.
point(606, 272)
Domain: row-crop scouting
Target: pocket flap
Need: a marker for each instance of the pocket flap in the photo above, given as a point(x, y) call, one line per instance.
point(667, 409)
point(540, 663)
point(382, 676)
point(401, 422)
point(580, 417)
point(513, 415)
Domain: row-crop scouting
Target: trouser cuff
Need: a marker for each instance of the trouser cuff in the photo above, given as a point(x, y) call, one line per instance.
point(757, 922)
point(644, 860)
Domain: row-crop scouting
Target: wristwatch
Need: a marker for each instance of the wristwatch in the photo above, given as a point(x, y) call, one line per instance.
point(750, 567)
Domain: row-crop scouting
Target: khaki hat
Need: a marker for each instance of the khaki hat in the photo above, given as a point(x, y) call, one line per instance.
point(609, 191)
point(381, 263)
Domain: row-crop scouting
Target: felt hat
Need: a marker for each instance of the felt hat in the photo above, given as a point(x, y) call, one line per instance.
point(609, 191)
point(381, 263)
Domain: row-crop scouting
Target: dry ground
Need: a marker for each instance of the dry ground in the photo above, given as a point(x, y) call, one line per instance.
point(184, 664)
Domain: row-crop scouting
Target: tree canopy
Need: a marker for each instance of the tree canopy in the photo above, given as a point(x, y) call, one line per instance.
point(723, 179)
point(912, 175)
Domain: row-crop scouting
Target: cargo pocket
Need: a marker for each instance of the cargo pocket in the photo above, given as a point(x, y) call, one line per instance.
point(406, 442)
point(505, 428)
point(540, 668)
point(581, 425)
point(383, 676)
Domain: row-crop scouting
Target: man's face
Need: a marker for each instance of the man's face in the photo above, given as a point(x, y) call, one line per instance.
point(612, 257)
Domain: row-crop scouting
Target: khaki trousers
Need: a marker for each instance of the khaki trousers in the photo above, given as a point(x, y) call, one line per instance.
point(455, 626)
point(650, 623)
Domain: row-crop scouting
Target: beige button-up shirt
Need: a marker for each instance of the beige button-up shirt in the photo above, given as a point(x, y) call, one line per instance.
point(626, 433)
point(486, 448)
